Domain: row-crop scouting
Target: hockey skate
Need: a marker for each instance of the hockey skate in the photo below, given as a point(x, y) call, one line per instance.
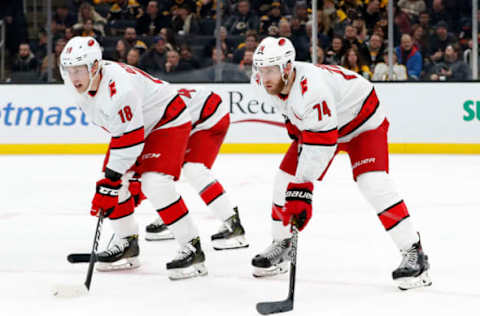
point(413, 270)
point(274, 260)
point(121, 255)
point(231, 234)
point(189, 262)
point(158, 231)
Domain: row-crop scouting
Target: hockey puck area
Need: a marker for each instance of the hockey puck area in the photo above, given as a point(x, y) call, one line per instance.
point(69, 290)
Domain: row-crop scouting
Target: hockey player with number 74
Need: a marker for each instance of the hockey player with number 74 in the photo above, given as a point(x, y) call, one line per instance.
point(327, 109)
point(149, 123)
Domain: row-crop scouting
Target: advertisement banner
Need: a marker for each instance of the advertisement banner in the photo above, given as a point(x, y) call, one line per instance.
point(423, 113)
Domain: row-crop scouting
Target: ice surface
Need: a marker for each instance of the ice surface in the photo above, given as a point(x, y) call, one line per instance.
point(345, 258)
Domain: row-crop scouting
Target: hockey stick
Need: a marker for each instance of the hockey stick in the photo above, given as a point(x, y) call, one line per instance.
point(80, 290)
point(83, 257)
point(286, 305)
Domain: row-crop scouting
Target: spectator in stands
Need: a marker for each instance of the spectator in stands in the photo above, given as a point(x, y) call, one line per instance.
point(86, 12)
point(246, 63)
point(381, 73)
point(152, 21)
point(124, 13)
point(55, 59)
point(362, 32)
point(438, 13)
point(62, 19)
point(16, 25)
point(320, 55)
point(412, 8)
point(409, 56)
point(273, 18)
point(402, 22)
point(186, 56)
point(206, 9)
point(242, 20)
point(68, 34)
point(440, 41)
point(354, 61)
point(130, 39)
point(322, 38)
point(452, 68)
point(228, 72)
point(250, 44)
point(301, 12)
point(184, 21)
point(226, 44)
point(40, 47)
point(88, 30)
point(424, 21)
point(336, 51)
point(169, 35)
point(420, 39)
point(25, 60)
point(133, 56)
point(174, 63)
point(372, 14)
point(120, 54)
point(351, 40)
point(375, 49)
point(153, 61)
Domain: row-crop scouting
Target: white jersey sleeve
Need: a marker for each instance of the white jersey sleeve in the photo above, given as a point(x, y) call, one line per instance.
point(126, 125)
point(319, 134)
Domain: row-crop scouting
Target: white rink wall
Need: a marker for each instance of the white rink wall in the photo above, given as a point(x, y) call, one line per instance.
point(419, 113)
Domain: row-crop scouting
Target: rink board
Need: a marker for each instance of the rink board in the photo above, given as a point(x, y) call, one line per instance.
point(424, 117)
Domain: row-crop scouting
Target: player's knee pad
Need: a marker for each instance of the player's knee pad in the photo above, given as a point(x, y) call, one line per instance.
point(379, 189)
point(197, 174)
point(159, 189)
point(282, 179)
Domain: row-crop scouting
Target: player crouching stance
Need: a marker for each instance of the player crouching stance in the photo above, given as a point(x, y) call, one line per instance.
point(328, 108)
point(211, 120)
point(148, 123)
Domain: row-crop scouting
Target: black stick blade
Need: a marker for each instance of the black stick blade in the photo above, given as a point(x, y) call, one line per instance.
point(79, 257)
point(266, 308)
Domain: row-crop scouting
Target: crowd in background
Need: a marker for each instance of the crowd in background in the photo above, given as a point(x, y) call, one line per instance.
point(175, 39)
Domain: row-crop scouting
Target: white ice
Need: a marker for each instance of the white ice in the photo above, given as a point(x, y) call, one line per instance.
point(345, 258)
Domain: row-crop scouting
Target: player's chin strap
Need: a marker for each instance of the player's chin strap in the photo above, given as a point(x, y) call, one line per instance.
point(99, 70)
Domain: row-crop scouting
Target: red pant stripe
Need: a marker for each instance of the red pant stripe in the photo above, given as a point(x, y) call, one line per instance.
point(123, 209)
point(369, 107)
point(393, 215)
point(211, 192)
point(172, 213)
point(276, 209)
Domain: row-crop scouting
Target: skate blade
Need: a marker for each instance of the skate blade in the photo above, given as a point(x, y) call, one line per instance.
point(165, 235)
point(423, 280)
point(198, 269)
point(273, 270)
point(230, 243)
point(122, 264)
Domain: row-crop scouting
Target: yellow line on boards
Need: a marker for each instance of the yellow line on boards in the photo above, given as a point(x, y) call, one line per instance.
point(239, 148)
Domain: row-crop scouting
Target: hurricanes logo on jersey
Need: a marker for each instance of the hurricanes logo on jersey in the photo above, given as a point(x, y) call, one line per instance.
point(303, 85)
point(113, 90)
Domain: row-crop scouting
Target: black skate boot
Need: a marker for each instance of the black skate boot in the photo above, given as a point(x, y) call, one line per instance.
point(122, 254)
point(158, 231)
point(231, 234)
point(274, 260)
point(413, 270)
point(189, 262)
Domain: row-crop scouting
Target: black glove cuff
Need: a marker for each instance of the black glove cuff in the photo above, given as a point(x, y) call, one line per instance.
point(112, 175)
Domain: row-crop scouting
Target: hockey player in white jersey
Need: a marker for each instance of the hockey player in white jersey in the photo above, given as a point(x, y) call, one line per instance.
point(211, 120)
point(328, 108)
point(148, 123)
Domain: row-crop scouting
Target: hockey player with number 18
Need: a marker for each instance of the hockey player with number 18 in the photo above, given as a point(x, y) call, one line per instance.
point(149, 123)
point(327, 109)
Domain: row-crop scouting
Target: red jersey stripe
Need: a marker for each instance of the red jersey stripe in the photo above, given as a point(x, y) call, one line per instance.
point(369, 107)
point(128, 139)
point(209, 107)
point(173, 110)
point(322, 138)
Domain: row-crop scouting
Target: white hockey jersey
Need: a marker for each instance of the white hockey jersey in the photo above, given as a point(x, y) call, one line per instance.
point(206, 108)
point(129, 104)
point(329, 105)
